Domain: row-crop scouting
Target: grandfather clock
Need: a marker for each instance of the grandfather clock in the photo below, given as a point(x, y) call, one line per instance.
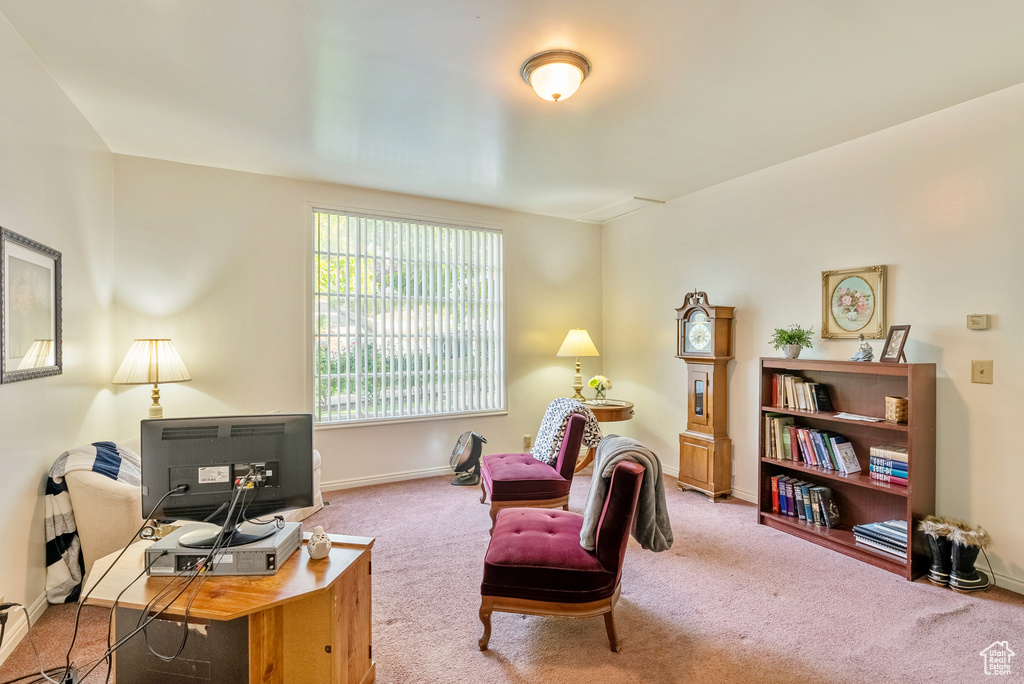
point(705, 343)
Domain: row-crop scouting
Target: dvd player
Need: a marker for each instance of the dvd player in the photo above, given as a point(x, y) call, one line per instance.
point(167, 557)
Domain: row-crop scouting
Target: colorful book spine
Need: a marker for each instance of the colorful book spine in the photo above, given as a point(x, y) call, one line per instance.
point(892, 479)
point(775, 494)
point(891, 452)
point(898, 471)
point(886, 464)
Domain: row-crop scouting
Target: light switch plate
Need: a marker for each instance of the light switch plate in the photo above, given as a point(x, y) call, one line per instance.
point(978, 322)
point(981, 371)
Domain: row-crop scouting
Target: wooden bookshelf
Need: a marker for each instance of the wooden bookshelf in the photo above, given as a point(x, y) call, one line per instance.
point(859, 388)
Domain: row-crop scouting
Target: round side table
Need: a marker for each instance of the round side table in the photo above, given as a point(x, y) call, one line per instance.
point(605, 413)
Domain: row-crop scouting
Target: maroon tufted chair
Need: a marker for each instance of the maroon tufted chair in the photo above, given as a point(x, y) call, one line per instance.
point(521, 481)
point(535, 564)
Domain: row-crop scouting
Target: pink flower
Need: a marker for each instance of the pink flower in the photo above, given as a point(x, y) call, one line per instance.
point(845, 300)
point(862, 306)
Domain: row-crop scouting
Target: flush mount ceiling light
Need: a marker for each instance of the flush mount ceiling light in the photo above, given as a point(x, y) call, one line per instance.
point(555, 74)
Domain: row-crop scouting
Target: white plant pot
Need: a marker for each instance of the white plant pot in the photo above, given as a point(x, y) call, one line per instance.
point(792, 351)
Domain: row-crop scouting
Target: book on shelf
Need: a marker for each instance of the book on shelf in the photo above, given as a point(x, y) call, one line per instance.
point(822, 400)
point(794, 392)
point(829, 508)
point(794, 443)
point(891, 479)
point(889, 536)
point(847, 457)
point(891, 452)
point(881, 547)
point(775, 494)
point(887, 467)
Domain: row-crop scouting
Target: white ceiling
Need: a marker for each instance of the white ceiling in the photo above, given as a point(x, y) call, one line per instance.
point(425, 97)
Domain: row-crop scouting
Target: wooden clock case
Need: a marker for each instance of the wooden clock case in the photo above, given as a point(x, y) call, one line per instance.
point(705, 450)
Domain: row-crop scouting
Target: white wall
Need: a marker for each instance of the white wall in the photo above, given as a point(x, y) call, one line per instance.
point(218, 261)
point(55, 187)
point(939, 201)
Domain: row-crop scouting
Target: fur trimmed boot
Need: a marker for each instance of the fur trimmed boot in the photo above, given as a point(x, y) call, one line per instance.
point(936, 531)
point(967, 544)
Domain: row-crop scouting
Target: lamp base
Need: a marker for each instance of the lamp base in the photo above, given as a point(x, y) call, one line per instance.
point(577, 382)
point(155, 409)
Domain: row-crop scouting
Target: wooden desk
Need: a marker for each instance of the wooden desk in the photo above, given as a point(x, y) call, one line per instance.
point(308, 623)
point(604, 414)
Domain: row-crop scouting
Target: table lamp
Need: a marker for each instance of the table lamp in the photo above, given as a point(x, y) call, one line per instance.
point(152, 361)
point(577, 343)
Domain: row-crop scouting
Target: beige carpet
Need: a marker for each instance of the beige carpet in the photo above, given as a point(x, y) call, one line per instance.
point(730, 602)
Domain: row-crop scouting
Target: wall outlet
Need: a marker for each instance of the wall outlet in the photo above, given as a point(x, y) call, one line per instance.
point(527, 441)
point(981, 371)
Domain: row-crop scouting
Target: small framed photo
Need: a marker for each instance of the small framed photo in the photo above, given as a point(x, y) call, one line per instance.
point(853, 303)
point(892, 352)
point(30, 301)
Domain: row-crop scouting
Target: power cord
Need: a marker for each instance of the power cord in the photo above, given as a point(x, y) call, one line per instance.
point(4, 614)
point(180, 489)
point(200, 567)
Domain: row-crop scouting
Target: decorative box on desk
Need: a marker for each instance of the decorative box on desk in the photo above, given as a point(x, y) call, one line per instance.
point(858, 388)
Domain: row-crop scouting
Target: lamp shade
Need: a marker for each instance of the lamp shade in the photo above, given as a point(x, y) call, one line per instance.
point(577, 343)
point(39, 355)
point(151, 362)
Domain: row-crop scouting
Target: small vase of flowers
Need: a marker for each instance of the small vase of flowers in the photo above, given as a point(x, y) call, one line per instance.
point(792, 339)
point(601, 384)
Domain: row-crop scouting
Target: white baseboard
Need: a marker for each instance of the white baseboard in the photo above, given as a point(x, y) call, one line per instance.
point(351, 483)
point(1014, 584)
point(17, 628)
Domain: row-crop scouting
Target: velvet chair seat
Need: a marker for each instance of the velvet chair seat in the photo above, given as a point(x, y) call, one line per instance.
point(536, 554)
point(521, 477)
point(520, 480)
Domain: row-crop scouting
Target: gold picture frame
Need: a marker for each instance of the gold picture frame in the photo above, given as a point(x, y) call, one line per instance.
point(853, 303)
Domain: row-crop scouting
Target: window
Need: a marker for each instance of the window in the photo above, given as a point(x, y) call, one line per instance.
point(408, 318)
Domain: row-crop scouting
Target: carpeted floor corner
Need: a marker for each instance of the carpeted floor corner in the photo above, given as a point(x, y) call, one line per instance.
point(730, 602)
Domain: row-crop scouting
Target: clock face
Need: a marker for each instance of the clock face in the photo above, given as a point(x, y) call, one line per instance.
point(698, 332)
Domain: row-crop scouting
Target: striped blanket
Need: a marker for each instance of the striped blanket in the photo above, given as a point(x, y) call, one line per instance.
point(64, 563)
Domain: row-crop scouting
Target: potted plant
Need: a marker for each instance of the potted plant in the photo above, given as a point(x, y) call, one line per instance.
point(792, 339)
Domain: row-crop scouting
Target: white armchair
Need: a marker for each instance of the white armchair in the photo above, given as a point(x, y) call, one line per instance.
point(107, 512)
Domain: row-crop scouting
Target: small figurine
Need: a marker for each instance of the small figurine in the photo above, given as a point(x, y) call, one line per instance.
point(865, 353)
point(319, 544)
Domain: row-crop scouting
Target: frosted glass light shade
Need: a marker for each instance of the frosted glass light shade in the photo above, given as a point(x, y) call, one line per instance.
point(556, 74)
point(577, 343)
point(151, 362)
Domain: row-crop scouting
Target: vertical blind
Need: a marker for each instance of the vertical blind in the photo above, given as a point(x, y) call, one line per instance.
point(408, 318)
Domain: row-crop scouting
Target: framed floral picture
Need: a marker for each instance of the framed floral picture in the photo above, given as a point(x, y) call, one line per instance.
point(30, 302)
point(853, 303)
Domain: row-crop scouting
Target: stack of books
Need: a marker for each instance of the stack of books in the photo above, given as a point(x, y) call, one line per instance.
point(785, 441)
point(889, 464)
point(804, 501)
point(793, 392)
point(889, 536)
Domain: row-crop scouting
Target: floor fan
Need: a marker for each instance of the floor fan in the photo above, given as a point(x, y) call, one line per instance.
point(465, 459)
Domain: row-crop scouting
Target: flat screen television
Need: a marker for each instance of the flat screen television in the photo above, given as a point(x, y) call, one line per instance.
point(209, 455)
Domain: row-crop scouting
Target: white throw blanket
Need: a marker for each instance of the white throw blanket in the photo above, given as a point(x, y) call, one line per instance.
point(651, 526)
point(553, 425)
point(64, 569)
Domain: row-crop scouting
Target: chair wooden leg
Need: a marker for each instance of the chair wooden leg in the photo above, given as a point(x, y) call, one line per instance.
point(565, 506)
point(609, 625)
point(485, 617)
point(483, 491)
point(494, 518)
